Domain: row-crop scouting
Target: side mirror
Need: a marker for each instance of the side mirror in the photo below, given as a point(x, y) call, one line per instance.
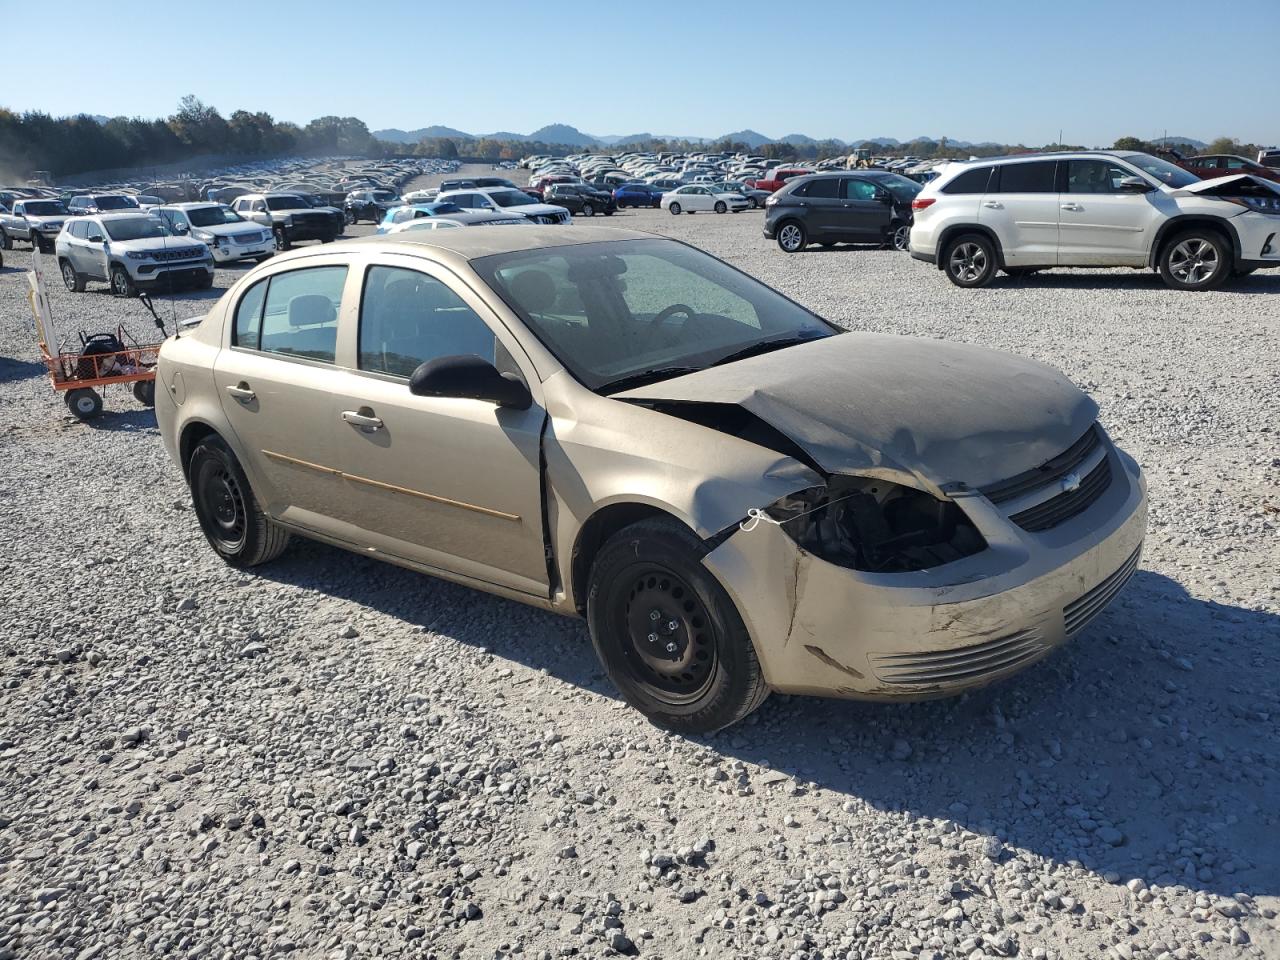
point(469, 378)
point(95, 238)
point(1134, 185)
point(885, 197)
point(181, 229)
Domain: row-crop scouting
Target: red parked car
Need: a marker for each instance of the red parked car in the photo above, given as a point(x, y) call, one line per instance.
point(1226, 165)
point(775, 178)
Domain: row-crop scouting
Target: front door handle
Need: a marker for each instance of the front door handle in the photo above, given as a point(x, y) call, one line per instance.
point(993, 204)
point(1071, 206)
point(242, 392)
point(363, 418)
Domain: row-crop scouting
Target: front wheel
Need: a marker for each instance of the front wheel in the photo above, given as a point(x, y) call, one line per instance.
point(229, 515)
point(1196, 260)
point(350, 217)
point(84, 404)
point(721, 207)
point(791, 237)
point(282, 239)
point(668, 634)
point(675, 209)
point(6, 241)
point(588, 210)
point(970, 261)
point(121, 283)
point(755, 204)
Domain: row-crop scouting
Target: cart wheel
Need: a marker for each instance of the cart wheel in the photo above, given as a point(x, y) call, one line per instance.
point(84, 403)
point(144, 391)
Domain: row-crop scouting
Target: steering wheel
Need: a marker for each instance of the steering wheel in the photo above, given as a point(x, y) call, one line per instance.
point(663, 316)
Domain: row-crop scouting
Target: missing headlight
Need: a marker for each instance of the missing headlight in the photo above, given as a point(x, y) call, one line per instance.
point(876, 526)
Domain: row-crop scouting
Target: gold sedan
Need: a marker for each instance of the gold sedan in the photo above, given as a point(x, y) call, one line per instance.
point(738, 496)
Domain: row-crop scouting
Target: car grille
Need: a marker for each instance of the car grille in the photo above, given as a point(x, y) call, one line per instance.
point(1080, 613)
point(180, 253)
point(1055, 472)
point(1047, 515)
point(960, 663)
point(254, 237)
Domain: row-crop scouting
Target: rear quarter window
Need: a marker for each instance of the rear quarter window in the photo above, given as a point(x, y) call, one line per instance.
point(971, 181)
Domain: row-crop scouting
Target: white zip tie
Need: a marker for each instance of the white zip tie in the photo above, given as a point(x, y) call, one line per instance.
point(756, 514)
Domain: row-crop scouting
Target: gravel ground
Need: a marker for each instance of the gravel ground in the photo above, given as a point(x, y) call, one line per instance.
point(338, 758)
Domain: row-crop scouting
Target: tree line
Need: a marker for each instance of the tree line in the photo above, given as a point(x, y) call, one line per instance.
point(34, 140)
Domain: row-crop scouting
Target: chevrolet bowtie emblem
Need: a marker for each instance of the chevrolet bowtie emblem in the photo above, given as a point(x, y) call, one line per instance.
point(1071, 483)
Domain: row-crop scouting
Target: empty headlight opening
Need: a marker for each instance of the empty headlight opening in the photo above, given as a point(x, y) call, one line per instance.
point(876, 526)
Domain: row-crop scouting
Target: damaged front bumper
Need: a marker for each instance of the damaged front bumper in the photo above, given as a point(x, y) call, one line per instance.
point(826, 630)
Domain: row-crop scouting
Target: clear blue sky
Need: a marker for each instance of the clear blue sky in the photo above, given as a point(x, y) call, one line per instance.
point(1004, 70)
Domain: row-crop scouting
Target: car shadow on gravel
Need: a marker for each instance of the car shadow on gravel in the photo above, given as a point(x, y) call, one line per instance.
point(1146, 748)
point(1119, 280)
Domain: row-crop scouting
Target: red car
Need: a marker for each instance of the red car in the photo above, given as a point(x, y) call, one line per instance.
point(775, 178)
point(1226, 165)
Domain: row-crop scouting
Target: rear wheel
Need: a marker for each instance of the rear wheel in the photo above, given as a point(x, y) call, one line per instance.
point(900, 236)
point(675, 209)
point(755, 204)
point(588, 210)
point(791, 237)
point(144, 391)
point(6, 241)
point(668, 634)
point(350, 217)
point(282, 239)
point(970, 261)
point(721, 207)
point(1198, 259)
point(84, 404)
point(72, 280)
point(229, 515)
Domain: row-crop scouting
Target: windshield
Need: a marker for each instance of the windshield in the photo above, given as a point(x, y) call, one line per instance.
point(620, 312)
point(116, 203)
point(213, 216)
point(901, 188)
point(135, 228)
point(444, 206)
point(1162, 170)
point(511, 198)
point(286, 203)
point(383, 195)
point(44, 208)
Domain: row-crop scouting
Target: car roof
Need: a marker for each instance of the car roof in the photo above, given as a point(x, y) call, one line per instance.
point(467, 245)
point(119, 215)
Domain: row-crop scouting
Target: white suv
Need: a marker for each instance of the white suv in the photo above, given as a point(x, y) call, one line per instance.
point(1094, 209)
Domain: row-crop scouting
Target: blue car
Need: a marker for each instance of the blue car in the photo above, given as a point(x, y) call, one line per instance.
point(412, 211)
point(638, 195)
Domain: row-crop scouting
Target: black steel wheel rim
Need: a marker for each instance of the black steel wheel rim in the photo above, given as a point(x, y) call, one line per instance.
point(668, 637)
point(223, 507)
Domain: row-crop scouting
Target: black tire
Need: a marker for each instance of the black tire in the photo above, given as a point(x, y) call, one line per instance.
point(588, 210)
point(144, 391)
point(6, 241)
point(791, 236)
point(711, 678)
point(970, 260)
point(72, 280)
point(721, 207)
point(1196, 259)
point(205, 282)
point(350, 217)
point(755, 204)
point(675, 209)
point(84, 404)
point(609, 213)
point(282, 238)
point(122, 284)
point(229, 515)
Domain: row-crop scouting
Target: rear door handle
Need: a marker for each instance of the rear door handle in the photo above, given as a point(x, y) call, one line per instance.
point(992, 204)
point(242, 392)
point(365, 421)
point(1071, 206)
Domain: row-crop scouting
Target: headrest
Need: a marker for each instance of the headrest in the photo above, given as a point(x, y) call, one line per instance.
point(311, 309)
point(534, 290)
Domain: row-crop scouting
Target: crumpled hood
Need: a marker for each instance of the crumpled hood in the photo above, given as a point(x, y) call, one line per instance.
point(860, 403)
point(1217, 183)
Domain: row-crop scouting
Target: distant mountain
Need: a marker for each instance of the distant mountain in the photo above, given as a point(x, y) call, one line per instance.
point(797, 140)
point(413, 136)
point(751, 138)
point(563, 133)
point(1190, 141)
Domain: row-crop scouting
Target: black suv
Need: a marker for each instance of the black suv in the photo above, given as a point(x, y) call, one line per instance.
point(866, 206)
point(581, 198)
point(369, 205)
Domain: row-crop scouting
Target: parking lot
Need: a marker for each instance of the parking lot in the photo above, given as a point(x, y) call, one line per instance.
point(337, 758)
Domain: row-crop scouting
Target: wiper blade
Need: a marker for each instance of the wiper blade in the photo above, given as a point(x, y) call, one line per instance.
point(644, 377)
point(763, 346)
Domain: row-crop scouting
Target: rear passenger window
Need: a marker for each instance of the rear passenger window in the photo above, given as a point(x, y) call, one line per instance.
point(827, 188)
point(1035, 177)
point(971, 181)
point(294, 313)
point(408, 318)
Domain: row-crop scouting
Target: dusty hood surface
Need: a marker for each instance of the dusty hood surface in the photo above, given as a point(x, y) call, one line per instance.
point(944, 412)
